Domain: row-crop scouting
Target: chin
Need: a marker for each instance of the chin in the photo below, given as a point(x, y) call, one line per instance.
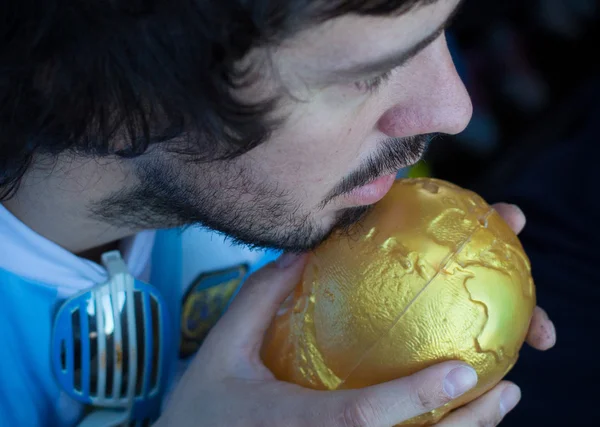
point(348, 217)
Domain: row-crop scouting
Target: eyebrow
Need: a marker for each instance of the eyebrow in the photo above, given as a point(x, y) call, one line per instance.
point(394, 60)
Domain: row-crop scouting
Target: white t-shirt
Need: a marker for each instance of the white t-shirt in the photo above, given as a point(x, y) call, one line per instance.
point(27, 254)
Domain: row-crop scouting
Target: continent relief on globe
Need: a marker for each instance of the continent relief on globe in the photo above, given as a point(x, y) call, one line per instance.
point(431, 274)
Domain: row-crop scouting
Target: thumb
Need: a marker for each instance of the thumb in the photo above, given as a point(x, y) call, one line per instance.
point(400, 400)
point(252, 311)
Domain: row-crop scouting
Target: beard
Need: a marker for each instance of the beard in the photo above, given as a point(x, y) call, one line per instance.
point(231, 199)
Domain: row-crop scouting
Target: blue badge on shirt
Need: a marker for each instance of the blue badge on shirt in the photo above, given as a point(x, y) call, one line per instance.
point(205, 302)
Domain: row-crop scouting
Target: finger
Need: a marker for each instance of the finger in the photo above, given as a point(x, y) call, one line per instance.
point(513, 215)
point(542, 334)
point(244, 325)
point(488, 410)
point(400, 400)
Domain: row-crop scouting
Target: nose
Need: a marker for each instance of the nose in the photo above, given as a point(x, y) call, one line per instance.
point(431, 96)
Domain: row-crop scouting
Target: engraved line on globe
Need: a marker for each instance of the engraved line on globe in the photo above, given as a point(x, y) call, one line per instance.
point(446, 262)
point(486, 312)
point(505, 250)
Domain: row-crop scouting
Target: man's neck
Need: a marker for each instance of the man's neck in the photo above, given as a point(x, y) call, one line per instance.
point(55, 204)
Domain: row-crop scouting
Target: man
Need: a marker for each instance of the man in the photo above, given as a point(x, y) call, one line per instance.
point(273, 122)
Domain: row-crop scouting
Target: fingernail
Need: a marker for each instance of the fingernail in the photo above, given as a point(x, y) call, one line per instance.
point(518, 209)
point(459, 381)
point(509, 399)
point(286, 260)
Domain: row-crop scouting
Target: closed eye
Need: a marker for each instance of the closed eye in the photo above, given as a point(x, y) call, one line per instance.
point(373, 84)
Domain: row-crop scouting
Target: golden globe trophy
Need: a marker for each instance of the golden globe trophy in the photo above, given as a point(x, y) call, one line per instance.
point(431, 274)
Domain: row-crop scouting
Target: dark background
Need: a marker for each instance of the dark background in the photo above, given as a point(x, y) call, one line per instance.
point(532, 70)
point(521, 61)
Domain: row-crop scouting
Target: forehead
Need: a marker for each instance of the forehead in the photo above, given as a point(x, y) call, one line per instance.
point(353, 39)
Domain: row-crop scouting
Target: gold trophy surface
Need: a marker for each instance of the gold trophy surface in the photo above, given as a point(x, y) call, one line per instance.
point(431, 274)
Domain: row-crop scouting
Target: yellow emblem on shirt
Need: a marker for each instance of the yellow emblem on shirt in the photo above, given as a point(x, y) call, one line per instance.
point(205, 302)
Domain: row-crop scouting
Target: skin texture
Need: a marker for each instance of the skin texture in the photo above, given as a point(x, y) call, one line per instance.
point(335, 131)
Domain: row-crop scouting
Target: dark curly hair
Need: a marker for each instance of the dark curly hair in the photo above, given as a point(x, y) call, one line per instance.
point(79, 75)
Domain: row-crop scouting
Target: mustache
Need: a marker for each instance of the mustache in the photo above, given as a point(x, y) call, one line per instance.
point(393, 155)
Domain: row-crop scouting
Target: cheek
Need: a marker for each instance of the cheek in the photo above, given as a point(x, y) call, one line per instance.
point(324, 138)
point(313, 152)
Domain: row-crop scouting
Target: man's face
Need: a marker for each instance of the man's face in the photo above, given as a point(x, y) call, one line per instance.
point(345, 135)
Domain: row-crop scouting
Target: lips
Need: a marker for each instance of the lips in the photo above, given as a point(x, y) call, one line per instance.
point(371, 193)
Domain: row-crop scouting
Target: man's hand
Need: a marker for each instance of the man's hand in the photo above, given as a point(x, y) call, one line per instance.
point(542, 335)
point(228, 385)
